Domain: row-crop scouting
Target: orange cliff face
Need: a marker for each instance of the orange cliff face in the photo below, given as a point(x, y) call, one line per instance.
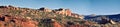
point(10, 21)
point(68, 12)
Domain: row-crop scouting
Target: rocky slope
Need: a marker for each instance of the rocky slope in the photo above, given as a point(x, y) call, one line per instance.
point(11, 16)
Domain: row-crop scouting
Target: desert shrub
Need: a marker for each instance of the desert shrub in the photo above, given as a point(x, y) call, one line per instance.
point(44, 23)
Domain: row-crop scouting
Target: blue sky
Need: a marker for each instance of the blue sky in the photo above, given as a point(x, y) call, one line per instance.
point(86, 7)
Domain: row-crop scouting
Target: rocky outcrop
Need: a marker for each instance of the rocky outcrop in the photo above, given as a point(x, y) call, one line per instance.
point(45, 9)
point(62, 11)
point(11, 21)
point(77, 16)
point(67, 12)
point(112, 22)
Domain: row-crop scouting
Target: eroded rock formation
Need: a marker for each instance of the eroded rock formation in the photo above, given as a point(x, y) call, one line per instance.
point(67, 12)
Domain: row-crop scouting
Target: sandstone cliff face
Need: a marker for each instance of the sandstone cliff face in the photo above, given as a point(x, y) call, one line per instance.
point(62, 11)
point(67, 12)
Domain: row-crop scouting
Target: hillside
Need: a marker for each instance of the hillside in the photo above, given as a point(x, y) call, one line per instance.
point(11, 16)
point(115, 17)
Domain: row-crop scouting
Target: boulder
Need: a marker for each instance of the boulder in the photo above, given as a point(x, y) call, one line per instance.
point(112, 22)
point(47, 20)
